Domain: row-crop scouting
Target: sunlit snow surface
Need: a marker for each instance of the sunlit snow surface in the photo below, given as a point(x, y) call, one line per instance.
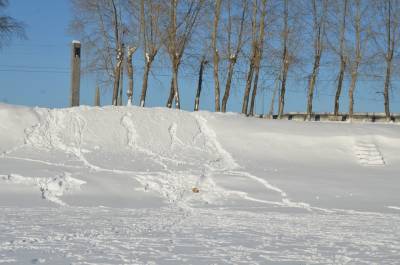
point(114, 186)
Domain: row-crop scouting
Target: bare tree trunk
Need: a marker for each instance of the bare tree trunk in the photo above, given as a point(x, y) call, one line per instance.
point(175, 56)
point(319, 25)
point(172, 49)
point(233, 55)
point(145, 82)
point(260, 48)
point(117, 70)
point(255, 84)
point(311, 86)
point(150, 43)
point(353, 82)
point(283, 91)
point(171, 94)
point(386, 88)
point(357, 60)
point(342, 60)
point(117, 76)
point(248, 87)
point(121, 84)
point(199, 84)
point(391, 25)
point(216, 55)
point(271, 106)
point(285, 60)
point(129, 92)
point(176, 89)
point(339, 86)
point(232, 62)
point(252, 63)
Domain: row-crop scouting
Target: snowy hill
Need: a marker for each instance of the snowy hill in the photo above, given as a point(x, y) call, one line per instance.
point(127, 185)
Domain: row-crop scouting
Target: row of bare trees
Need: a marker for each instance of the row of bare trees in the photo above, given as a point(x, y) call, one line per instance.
point(252, 40)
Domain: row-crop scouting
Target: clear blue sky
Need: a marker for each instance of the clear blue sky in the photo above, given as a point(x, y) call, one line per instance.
point(36, 71)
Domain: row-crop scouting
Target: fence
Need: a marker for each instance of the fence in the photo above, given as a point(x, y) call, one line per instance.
point(328, 116)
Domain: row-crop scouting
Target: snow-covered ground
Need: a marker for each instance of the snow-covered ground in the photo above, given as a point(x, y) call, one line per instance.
point(118, 185)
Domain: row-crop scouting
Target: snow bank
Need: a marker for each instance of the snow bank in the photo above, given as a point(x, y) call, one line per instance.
point(229, 158)
point(128, 185)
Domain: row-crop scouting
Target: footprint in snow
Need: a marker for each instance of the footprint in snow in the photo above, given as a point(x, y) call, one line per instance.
point(368, 154)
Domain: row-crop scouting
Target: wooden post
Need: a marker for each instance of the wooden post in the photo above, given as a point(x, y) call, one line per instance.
point(97, 97)
point(75, 73)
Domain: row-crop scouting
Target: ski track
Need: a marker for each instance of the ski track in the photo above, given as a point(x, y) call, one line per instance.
point(132, 142)
point(229, 165)
point(50, 188)
point(173, 136)
point(79, 235)
point(212, 143)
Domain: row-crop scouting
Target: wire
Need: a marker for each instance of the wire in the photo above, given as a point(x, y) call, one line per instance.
point(35, 71)
point(33, 67)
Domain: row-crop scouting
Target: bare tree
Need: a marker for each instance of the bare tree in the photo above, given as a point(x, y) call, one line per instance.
point(361, 30)
point(9, 27)
point(116, 22)
point(179, 34)
point(285, 58)
point(252, 58)
point(343, 57)
point(152, 33)
point(233, 52)
point(390, 16)
point(217, 13)
point(318, 15)
point(259, 53)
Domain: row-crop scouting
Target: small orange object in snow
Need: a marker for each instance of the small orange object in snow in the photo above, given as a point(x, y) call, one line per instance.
point(195, 190)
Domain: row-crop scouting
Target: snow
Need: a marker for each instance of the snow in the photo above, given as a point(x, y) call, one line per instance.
point(115, 185)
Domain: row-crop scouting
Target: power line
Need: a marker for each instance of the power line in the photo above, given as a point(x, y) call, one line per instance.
point(38, 45)
point(34, 67)
point(34, 71)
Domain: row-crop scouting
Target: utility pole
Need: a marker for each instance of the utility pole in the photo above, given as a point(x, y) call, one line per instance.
point(75, 73)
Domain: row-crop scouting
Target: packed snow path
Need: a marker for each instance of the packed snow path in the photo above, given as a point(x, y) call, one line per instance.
point(200, 236)
point(114, 186)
